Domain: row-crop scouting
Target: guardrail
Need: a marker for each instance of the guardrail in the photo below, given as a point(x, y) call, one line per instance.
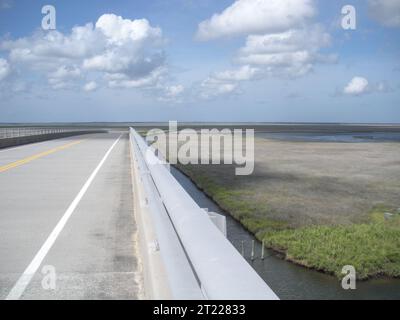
point(16, 132)
point(11, 137)
point(185, 255)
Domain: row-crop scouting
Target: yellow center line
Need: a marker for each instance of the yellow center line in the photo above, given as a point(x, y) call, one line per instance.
point(37, 156)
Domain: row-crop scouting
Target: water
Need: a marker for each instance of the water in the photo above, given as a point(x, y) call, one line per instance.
point(333, 137)
point(288, 280)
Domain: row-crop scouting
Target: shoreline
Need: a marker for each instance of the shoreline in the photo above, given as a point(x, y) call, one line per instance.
point(281, 254)
point(278, 252)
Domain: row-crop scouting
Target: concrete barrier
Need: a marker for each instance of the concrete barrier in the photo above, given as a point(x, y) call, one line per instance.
point(16, 141)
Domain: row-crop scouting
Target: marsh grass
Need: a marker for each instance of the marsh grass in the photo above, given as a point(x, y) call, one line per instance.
point(372, 247)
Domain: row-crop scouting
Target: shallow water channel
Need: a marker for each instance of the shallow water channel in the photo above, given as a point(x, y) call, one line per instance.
point(288, 280)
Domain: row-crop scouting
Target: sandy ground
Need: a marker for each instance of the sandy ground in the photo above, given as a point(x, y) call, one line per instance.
point(306, 183)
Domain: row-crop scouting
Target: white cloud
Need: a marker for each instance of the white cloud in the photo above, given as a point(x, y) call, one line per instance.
point(63, 77)
point(120, 31)
point(226, 82)
point(256, 16)
point(292, 53)
point(241, 74)
point(5, 69)
point(174, 91)
point(226, 88)
point(90, 86)
point(126, 53)
point(281, 41)
point(357, 86)
point(65, 72)
point(109, 61)
point(360, 86)
point(289, 41)
point(58, 85)
point(213, 87)
point(48, 50)
point(386, 12)
point(121, 80)
point(131, 48)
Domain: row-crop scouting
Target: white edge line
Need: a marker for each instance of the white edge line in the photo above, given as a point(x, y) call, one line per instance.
point(20, 286)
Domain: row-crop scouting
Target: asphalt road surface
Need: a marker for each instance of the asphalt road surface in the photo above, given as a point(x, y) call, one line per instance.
point(67, 229)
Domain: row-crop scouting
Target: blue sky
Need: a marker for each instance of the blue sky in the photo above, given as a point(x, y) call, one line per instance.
point(187, 60)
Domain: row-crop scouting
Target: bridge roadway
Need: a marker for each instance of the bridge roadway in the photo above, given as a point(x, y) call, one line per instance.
point(66, 209)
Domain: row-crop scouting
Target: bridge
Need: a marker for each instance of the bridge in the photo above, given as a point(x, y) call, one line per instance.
point(98, 214)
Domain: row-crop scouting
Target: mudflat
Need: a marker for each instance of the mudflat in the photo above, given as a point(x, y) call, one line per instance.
point(321, 183)
point(322, 204)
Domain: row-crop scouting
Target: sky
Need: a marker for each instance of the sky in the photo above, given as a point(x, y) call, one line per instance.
point(200, 60)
